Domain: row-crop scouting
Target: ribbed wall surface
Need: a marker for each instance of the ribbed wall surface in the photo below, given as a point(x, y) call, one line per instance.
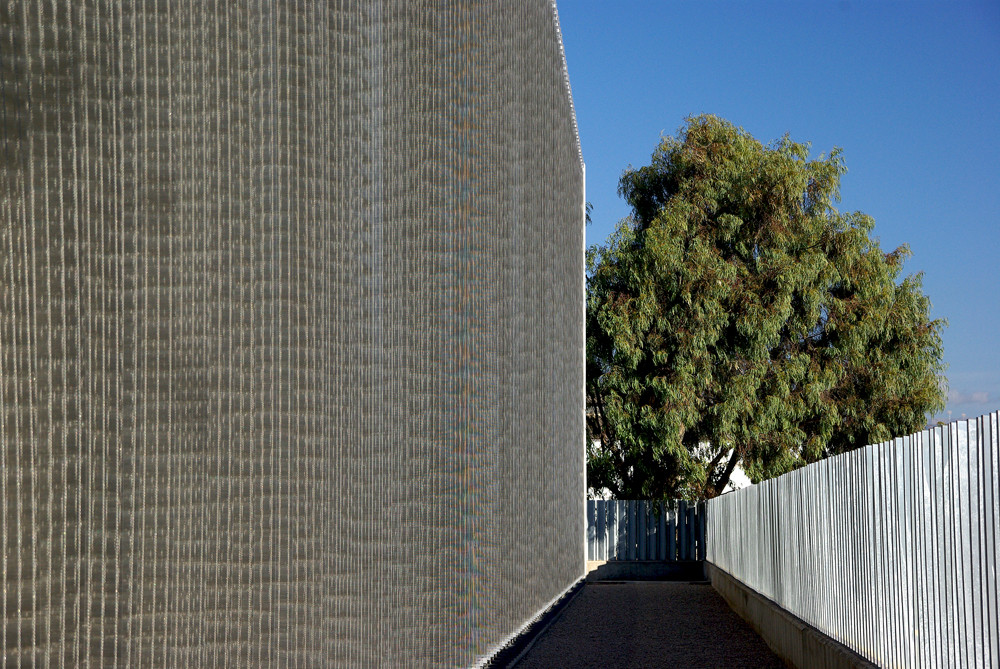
point(291, 335)
point(890, 549)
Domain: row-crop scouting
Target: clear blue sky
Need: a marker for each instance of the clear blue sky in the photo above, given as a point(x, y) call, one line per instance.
point(909, 90)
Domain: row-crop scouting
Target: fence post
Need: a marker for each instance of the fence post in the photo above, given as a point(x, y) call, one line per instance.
point(640, 512)
point(661, 532)
point(601, 516)
point(630, 529)
point(650, 531)
point(692, 532)
point(701, 513)
point(651, 538)
point(643, 553)
point(671, 532)
point(621, 538)
point(682, 533)
point(591, 529)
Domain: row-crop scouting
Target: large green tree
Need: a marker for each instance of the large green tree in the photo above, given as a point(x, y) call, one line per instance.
point(737, 318)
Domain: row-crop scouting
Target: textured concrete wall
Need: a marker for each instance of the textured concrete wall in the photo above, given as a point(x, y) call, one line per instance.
point(291, 342)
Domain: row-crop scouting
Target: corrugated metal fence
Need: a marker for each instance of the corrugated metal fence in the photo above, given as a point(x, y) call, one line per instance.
point(644, 530)
point(890, 549)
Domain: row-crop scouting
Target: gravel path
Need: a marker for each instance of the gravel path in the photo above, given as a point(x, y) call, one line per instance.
point(636, 624)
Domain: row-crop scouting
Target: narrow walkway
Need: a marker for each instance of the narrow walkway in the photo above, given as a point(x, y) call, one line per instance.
point(647, 624)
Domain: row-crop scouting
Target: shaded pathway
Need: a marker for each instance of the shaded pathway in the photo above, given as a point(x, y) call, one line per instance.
point(637, 624)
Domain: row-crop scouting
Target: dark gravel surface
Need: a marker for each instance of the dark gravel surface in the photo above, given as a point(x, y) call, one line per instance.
point(637, 624)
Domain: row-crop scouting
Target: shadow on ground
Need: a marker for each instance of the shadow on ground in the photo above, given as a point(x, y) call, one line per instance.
point(638, 625)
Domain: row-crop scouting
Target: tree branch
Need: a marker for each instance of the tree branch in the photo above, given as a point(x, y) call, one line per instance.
point(715, 462)
point(723, 481)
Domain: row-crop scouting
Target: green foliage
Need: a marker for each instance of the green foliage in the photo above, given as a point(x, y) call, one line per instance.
point(736, 317)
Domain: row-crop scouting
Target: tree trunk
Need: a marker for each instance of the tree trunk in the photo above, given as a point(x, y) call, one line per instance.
point(723, 481)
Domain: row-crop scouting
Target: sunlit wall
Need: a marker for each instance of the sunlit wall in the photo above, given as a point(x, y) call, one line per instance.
point(291, 342)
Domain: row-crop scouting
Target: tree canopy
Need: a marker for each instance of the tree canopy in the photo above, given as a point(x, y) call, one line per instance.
point(736, 317)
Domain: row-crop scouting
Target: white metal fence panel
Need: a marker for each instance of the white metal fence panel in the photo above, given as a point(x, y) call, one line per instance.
point(890, 549)
point(645, 530)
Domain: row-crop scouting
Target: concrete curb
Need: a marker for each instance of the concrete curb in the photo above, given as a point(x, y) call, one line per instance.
point(795, 641)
